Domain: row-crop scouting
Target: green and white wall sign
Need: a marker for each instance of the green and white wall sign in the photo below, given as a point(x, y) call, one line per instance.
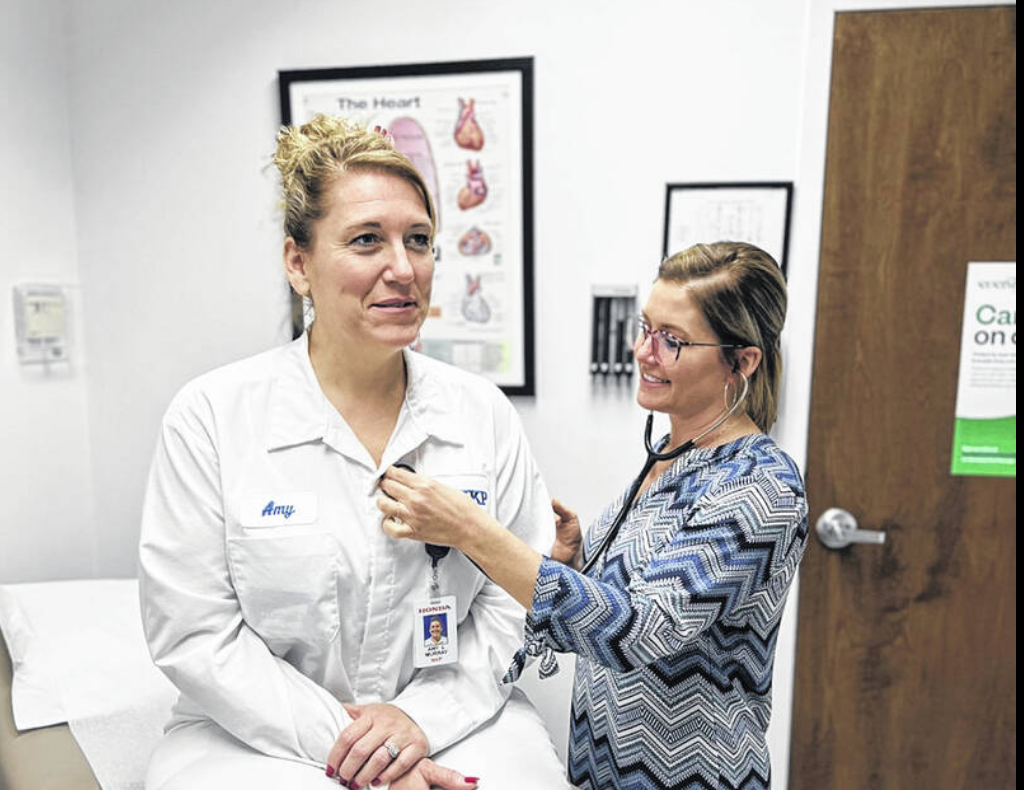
point(985, 436)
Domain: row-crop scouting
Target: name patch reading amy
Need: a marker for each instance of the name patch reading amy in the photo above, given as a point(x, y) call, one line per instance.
point(279, 508)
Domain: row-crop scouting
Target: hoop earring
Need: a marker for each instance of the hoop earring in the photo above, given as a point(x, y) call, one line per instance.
point(740, 395)
point(725, 395)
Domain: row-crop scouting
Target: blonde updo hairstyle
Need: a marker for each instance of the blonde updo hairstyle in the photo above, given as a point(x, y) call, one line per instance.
point(311, 156)
point(742, 294)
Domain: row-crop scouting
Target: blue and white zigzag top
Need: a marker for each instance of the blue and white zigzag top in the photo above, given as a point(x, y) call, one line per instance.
point(676, 628)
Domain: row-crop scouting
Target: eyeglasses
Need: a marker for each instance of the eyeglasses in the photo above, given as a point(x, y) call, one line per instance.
point(673, 345)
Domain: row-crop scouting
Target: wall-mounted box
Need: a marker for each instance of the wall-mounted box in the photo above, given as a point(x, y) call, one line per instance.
point(41, 323)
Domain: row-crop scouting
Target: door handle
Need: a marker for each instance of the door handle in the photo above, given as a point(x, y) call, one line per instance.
point(837, 529)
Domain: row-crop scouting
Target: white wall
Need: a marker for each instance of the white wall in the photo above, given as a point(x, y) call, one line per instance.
point(47, 529)
point(173, 108)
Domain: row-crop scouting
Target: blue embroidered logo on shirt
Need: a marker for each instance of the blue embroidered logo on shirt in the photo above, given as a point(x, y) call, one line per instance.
point(278, 510)
point(480, 497)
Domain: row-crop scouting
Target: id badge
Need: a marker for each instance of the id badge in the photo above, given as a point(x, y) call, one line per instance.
point(435, 639)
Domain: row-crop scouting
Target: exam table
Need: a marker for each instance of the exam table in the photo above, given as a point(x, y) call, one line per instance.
point(46, 758)
point(81, 704)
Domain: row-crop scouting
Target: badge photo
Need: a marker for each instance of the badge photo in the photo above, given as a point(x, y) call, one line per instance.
point(436, 634)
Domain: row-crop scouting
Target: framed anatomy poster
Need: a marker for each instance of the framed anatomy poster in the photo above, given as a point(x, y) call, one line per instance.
point(754, 212)
point(467, 128)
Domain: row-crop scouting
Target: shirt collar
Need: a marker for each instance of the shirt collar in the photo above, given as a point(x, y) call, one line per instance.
point(300, 413)
point(434, 401)
point(297, 404)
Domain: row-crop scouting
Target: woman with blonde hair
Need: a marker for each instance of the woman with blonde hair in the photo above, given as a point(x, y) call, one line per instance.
point(270, 598)
point(672, 600)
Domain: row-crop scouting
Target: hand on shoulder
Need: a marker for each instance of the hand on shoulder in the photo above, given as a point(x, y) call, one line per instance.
point(568, 545)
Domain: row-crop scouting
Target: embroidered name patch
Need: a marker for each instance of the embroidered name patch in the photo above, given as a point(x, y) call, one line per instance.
point(278, 509)
point(480, 497)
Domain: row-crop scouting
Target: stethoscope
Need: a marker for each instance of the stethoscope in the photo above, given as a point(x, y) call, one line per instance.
point(653, 457)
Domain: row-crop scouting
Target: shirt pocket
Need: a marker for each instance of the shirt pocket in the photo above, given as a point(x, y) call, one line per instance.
point(287, 587)
point(475, 485)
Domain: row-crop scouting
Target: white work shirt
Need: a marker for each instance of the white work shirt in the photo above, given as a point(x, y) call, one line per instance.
point(270, 593)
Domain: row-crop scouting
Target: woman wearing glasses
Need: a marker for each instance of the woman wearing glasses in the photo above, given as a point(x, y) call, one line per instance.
point(673, 598)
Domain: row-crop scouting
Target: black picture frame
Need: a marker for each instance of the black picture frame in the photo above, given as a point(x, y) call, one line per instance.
point(758, 212)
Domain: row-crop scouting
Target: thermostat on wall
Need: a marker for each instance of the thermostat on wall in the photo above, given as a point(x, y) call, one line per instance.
point(41, 323)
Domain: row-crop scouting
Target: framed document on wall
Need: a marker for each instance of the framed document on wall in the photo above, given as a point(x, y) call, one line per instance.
point(755, 212)
point(467, 127)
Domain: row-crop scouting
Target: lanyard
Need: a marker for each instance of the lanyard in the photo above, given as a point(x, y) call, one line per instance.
point(436, 554)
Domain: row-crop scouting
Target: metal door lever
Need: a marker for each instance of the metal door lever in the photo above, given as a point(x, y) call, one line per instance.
point(837, 529)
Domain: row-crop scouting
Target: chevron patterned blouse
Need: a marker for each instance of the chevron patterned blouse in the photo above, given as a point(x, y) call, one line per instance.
point(675, 628)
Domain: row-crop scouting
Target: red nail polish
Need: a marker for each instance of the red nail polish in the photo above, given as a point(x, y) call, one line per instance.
point(472, 780)
point(329, 771)
point(353, 786)
point(375, 782)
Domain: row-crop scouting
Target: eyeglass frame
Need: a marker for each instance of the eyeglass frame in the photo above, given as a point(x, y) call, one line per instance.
point(649, 332)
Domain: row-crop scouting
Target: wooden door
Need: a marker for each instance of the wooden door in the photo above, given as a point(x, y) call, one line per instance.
point(906, 657)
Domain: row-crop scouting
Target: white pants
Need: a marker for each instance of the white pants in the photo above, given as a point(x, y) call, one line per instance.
point(510, 752)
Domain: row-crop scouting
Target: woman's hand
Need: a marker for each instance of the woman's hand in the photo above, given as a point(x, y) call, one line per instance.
point(426, 774)
point(568, 538)
point(422, 509)
point(359, 756)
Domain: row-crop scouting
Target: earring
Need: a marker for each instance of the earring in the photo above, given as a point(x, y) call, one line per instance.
point(740, 395)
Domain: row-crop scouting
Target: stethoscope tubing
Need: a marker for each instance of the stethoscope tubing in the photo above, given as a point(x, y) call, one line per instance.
point(653, 457)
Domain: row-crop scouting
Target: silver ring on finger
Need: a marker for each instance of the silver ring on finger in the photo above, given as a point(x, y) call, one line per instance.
point(393, 749)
